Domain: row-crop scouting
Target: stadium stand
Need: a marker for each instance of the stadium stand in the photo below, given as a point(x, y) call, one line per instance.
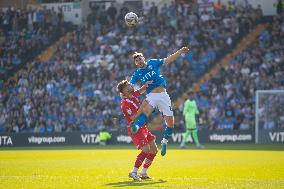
point(228, 99)
point(75, 89)
point(25, 34)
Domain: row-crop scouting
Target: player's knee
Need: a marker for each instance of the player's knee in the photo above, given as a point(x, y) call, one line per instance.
point(148, 110)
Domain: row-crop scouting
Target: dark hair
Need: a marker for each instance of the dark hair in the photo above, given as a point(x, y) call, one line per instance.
point(121, 85)
point(190, 92)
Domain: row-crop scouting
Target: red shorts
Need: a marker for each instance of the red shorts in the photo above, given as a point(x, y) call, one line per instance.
point(142, 137)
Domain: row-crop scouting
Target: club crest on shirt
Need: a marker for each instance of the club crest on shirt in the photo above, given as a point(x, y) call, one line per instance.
point(150, 67)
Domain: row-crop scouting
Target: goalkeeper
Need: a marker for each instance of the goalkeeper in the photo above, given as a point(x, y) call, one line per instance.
point(189, 112)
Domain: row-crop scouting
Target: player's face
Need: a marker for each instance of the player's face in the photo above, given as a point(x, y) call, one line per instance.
point(140, 61)
point(128, 90)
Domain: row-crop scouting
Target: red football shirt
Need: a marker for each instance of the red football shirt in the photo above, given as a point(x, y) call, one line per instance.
point(129, 106)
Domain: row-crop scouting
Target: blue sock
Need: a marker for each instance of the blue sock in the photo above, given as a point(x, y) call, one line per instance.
point(141, 120)
point(168, 132)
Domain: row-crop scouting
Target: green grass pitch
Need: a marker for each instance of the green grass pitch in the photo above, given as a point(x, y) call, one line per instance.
point(216, 166)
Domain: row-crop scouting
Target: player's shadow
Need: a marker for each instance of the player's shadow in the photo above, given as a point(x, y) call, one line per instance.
point(136, 183)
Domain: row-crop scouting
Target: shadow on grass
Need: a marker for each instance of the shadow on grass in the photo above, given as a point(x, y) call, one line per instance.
point(137, 183)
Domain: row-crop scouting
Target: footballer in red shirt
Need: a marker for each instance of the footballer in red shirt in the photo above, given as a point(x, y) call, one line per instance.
point(143, 139)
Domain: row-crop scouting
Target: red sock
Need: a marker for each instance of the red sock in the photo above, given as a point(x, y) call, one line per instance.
point(139, 159)
point(149, 159)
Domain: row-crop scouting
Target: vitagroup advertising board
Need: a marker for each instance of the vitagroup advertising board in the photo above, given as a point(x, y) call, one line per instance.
point(78, 138)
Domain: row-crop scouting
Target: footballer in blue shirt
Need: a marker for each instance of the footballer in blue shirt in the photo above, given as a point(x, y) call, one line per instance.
point(157, 96)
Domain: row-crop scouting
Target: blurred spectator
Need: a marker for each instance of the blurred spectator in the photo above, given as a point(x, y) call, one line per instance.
point(146, 8)
point(112, 13)
point(153, 10)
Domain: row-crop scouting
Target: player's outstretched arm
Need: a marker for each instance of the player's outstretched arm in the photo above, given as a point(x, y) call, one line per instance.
point(171, 58)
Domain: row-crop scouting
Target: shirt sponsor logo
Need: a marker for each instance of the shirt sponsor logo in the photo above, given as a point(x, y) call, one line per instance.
point(148, 76)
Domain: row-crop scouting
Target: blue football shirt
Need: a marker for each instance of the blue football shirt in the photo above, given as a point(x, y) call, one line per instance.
point(150, 73)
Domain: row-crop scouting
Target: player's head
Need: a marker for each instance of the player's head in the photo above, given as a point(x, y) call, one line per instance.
point(190, 94)
point(139, 60)
point(125, 88)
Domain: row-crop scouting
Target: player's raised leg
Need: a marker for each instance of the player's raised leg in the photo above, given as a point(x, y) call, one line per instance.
point(141, 120)
point(167, 133)
point(164, 105)
point(141, 117)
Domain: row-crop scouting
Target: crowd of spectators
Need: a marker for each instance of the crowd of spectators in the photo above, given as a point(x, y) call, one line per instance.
point(75, 90)
point(228, 100)
point(24, 34)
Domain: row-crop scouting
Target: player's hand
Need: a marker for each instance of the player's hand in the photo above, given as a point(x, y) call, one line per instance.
point(184, 50)
point(148, 83)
